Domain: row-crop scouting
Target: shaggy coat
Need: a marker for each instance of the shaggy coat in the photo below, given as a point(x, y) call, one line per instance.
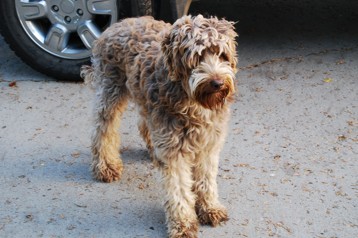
point(181, 76)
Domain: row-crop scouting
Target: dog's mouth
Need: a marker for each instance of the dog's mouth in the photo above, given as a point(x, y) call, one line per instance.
point(213, 96)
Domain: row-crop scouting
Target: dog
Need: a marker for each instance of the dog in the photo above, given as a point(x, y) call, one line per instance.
point(182, 78)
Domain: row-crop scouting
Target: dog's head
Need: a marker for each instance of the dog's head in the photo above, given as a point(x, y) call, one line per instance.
point(201, 53)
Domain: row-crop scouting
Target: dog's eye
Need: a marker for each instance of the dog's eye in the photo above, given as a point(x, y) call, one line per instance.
point(201, 58)
point(224, 57)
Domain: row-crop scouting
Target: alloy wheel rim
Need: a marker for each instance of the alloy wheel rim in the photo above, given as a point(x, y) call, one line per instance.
point(66, 28)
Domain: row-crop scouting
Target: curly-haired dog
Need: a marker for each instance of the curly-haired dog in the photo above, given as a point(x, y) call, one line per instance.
point(181, 76)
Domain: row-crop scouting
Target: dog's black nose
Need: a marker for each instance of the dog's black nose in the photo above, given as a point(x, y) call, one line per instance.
point(216, 84)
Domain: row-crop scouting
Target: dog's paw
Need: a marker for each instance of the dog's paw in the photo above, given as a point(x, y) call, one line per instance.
point(184, 230)
point(212, 216)
point(108, 172)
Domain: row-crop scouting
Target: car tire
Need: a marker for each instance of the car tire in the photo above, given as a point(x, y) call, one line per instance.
point(142, 7)
point(29, 37)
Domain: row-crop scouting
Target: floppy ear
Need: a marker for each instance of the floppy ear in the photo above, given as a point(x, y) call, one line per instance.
point(227, 29)
point(173, 47)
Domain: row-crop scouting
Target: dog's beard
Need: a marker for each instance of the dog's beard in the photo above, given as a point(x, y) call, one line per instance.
point(200, 83)
point(213, 99)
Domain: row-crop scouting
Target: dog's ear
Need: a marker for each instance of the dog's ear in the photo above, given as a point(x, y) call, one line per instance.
point(173, 47)
point(227, 29)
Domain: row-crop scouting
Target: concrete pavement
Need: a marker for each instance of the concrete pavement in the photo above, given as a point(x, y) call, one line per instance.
point(288, 169)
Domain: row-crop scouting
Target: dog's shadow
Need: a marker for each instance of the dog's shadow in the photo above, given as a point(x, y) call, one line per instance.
point(74, 166)
point(131, 206)
point(134, 155)
point(133, 219)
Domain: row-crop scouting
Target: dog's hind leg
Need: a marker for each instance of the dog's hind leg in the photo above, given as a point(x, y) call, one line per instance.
point(111, 101)
point(144, 132)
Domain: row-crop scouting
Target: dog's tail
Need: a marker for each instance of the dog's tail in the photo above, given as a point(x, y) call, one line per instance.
point(87, 74)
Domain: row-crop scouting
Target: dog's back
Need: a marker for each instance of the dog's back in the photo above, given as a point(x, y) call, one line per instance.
point(116, 50)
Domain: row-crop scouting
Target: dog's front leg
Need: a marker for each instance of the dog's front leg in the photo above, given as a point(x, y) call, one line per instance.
point(180, 200)
point(208, 208)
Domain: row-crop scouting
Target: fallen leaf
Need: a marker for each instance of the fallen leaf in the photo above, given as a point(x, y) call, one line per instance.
point(277, 157)
point(71, 227)
point(141, 186)
point(12, 84)
point(327, 80)
point(76, 154)
point(79, 205)
point(341, 61)
point(29, 217)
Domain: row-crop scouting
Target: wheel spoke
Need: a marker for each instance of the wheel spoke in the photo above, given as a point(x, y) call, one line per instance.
point(88, 33)
point(101, 7)
point(57, 37)
point(33, 10)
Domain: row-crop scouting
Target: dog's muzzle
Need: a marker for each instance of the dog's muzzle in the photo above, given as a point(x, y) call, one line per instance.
point(212, 93)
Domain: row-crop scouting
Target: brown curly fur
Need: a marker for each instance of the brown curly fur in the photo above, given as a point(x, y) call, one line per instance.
point(181, 76)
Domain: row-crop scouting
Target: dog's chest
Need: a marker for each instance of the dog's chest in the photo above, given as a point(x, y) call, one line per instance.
point(205, 129)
